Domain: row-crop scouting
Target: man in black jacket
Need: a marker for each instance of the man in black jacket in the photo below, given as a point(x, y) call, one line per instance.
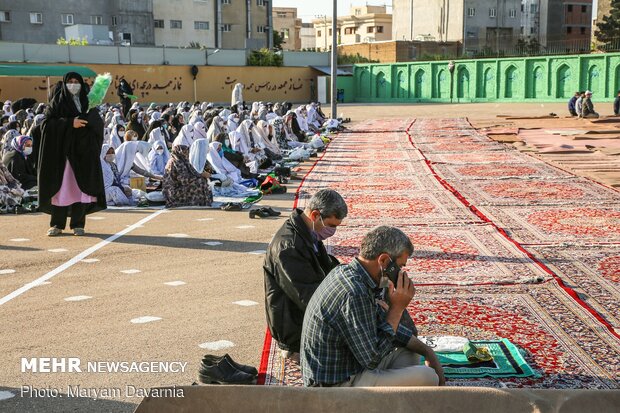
point(296, 263)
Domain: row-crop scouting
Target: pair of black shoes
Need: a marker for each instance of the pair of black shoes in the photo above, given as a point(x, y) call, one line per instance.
point(231, 206)
point(264, 213)
point(224, 370)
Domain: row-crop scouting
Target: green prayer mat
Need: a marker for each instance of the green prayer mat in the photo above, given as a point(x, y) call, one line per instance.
point(507, 362)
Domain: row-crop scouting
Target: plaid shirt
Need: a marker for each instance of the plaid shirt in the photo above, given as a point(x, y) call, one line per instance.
point(345, 331)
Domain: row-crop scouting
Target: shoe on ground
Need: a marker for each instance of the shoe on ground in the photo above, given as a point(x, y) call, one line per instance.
point(271, 211)
point(210, 360)
point(232, 206)
point(223, 373)
point(78, 232)
point(54, 232)
point(259, 213)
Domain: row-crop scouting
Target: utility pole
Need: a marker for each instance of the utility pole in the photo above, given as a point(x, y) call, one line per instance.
point(334, 60)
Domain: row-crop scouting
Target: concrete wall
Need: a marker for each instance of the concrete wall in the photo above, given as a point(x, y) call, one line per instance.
point(174, 83)
point(535, 79)
point(400, 51)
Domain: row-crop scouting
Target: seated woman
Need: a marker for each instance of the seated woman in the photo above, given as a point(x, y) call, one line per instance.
point(135, 124)
point(117, 136)
point(294, 133)
point(19, 164)
point(220, 164)
point(233, 156)
point(185, 137)
point(11, 192)
point(132, 157)
point(267, 141)
point(183, 185)
point(217, 126)
point(158, 158)
point(200, 132)
point(115, 192)
point(245, 142)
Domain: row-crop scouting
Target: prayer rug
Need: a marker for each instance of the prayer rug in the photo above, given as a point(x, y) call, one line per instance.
point(593, 271)
point(457, 255)
point(478, 158)
point(507, 362)
point(583, 224)
point(537, 192)
point(500, 171)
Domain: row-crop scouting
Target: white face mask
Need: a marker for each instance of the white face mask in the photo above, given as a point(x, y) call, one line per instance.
point(28, 150)
point(227, 142)
point(160, 151)
point(121, 134)
point(74, 88)
point(110, 158)
point(135, 138)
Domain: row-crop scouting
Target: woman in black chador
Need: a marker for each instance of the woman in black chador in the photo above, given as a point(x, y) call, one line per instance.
point(70, 177)
point(123, 91)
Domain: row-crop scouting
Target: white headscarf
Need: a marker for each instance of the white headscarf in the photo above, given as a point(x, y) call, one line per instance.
point(198, 153)
point(237, 95)
point(115, 139)
point(154, 116)
point(224, 113)
point(262, 132)
point(200, 132)
point(313, 116)
point(233, 122)
point(129, 153)
point(217, 126)
point(108, 174)
point(301, 119)
point(221, 164)
point(157, 162)
point(196, 117)
point(244, 143)
point(185, 137)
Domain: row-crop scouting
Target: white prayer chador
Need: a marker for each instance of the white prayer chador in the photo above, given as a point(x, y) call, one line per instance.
point(185, 137)
point(301, 119)
point(313, 116)
point(113, 194)
point(237, 95)
point(198, 153)
point(233, 122)
point(199, 131)
point(241, 141)
point(217, 126)
point(115, 139)
point(157, 161)
point(221, 165)
point(129, 153)
point(264, 142)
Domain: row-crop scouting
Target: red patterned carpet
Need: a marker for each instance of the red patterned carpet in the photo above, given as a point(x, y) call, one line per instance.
point(506, 245)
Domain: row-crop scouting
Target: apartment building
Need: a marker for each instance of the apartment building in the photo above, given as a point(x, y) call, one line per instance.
point(41, 21)
point(243, 24)
point(307, 36)
point(364, 24)
point(286, 22)
point(181, 23)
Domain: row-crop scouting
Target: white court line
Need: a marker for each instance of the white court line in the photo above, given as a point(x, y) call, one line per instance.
point(76, 259)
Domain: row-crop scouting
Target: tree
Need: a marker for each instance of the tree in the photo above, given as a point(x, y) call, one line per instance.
point(265, 57)
point(277, 40)
point(608, 31)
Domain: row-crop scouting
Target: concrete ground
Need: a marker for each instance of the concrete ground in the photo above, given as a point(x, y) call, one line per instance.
point(169, 246)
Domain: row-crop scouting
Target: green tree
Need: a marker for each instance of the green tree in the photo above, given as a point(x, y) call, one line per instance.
point(277, 40)
point(265, 57)
point(608, 31)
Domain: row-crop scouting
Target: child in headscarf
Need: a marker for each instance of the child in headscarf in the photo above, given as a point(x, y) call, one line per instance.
point(18, 164)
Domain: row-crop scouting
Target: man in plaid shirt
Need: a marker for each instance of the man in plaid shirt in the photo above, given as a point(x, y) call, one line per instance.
point(350, 339)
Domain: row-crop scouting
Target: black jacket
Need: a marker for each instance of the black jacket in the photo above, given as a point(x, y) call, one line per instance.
point(293, 271)
point(21, 168)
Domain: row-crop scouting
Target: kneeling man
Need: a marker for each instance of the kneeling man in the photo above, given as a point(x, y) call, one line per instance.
point(349, 339)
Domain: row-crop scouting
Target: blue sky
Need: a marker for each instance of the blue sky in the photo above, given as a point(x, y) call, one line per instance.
point(307, 9)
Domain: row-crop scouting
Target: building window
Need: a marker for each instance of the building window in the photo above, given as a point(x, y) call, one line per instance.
point(531, 30)
point(471, 12)
point(176, 24)
point(370, 29)
point(584, 9)
point(261, 29)
point(492, 12)
point(5, 16)
point(379, 29)
point(225, 1)
point(583, 30)
point(512, 13)
point(36, 18)
point(261, 2)
point(201, 25)
point(318, 33)
point(569, 8)
point(158, 23)
point(358, 12)
point(281, 14)
point(67, 19)
point(533, 8)
point(569, 30)
point(350, 30)
point(114, 20)
point(96, 19)
point(227, 27)
point(285, 33)
point(329, 33)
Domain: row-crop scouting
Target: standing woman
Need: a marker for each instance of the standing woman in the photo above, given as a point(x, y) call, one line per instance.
point(123, 92)
point(70, 177)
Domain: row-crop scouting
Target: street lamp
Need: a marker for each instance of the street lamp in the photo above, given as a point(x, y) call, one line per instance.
point(451, 70)
point(210, 54)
